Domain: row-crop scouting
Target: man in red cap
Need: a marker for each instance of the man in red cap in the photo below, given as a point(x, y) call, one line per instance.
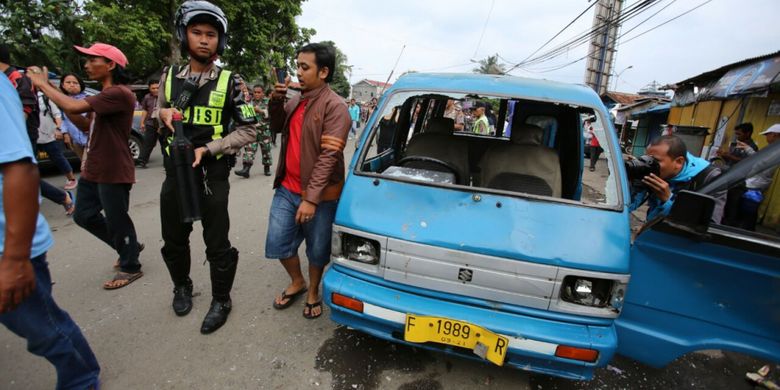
point(107, 172)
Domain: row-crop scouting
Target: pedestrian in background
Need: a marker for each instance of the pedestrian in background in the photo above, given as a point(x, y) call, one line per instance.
point(30, 108)
point(75, 127)
point(309, 176)
point(27, 307)
point(149, 123)
point(259, 103)
point(107, 171)
point(50, 136)
point(354, 114)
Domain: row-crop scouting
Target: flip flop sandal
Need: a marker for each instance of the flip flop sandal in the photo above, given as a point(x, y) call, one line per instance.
point(122, 276)
point(141, 247)
point(290, 298)
point(71, 207)
point(311, 307)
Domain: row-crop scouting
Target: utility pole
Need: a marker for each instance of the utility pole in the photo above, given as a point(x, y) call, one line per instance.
point(601, 52)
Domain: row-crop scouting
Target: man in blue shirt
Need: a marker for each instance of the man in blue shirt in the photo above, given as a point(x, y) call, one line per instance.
point(679, 170)
point(354, 113)
point(26, 304)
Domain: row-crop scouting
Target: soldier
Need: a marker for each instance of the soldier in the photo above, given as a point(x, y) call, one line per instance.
point(260, 104)
point(202, 30)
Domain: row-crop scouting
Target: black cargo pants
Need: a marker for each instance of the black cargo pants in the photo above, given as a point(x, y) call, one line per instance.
point(212, 183)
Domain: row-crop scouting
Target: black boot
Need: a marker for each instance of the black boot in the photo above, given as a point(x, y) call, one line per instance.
point(223, 272)
point(267, 170)
point(178, 262)
point(216, 317)
point(182, 299)
point(244, 171)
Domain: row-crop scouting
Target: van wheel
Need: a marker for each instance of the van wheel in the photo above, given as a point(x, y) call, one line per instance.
point(135, 147)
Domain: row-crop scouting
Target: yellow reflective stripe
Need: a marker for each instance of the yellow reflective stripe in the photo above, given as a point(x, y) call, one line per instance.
point(168, 147)
point(222, 83)
point(168, 83)
point(217, 135)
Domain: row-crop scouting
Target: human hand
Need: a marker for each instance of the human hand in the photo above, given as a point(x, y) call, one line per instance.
point(659, 187)
point(305, 212)
point(166, 117)
point(280, 89)
point(38, 76)
point(57, 134)
point(17, 282)
point(68, 141)
point(199, 153)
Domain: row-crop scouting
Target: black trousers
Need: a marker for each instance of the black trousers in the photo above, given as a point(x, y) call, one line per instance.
point(115, 228)
point(212, 184)
point(149, 141)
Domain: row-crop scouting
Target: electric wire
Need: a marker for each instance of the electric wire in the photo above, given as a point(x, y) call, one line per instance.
point(585, 37)
point(558, 67)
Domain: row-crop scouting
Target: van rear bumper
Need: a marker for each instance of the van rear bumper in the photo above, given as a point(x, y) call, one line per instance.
point(532, 341)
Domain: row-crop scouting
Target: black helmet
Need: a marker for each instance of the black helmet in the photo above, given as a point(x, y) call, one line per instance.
point(204, 12)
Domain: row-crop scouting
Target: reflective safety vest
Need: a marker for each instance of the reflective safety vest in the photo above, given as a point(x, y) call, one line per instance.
point(205, 119)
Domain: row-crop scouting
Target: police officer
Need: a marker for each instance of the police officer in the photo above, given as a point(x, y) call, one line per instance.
point(201, 27)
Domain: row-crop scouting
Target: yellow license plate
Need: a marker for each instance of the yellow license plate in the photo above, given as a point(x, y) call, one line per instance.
point(486, 344)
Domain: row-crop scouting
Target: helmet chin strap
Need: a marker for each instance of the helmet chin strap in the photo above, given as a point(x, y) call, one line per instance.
point(204, 62)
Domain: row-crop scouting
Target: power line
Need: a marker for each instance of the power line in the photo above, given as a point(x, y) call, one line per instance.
point(556, 35)
point(670, 20)
point(583, 38)
point(558, 67)
point(484, 27)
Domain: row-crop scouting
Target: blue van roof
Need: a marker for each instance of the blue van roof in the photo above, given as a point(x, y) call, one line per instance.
point(534, 89)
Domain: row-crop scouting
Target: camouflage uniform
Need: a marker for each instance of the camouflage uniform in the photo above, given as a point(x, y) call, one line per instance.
point(263, 136)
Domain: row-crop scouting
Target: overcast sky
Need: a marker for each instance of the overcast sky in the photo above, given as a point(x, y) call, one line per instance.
point(446, 35)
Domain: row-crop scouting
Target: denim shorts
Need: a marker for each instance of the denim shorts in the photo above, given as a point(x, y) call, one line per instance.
point(284, 236)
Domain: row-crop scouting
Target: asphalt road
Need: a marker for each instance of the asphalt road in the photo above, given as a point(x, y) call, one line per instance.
point(141, 344)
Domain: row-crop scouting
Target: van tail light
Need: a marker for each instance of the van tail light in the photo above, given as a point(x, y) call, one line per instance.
point(346, 302)
point(581, 354)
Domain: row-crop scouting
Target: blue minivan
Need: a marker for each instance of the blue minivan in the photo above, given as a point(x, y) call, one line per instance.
point(468, 225)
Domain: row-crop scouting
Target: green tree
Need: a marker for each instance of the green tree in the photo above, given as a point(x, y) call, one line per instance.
point(137, 27)
point(340, 84)
point(262, 33)
point(42, 32)
point(490, 65)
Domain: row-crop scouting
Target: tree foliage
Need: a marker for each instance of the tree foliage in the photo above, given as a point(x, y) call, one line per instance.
point(490, 65)
point(42, 32)
point(262, 33)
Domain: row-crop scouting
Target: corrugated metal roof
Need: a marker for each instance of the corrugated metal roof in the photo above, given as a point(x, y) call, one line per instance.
point(622, 97)
point(717, 73)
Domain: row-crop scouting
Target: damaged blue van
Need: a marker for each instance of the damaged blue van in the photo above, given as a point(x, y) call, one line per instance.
point(469, 225)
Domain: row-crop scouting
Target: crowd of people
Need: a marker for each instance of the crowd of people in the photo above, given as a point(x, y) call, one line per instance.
point(219, 119)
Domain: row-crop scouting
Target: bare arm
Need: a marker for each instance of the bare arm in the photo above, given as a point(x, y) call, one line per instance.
point(66, 103)
point(20, 197)
point(143, 119)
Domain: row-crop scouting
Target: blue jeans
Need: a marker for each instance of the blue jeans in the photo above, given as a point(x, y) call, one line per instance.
point(353, 129)
point(285, 236)
point(51, 333)
point(57, 156)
